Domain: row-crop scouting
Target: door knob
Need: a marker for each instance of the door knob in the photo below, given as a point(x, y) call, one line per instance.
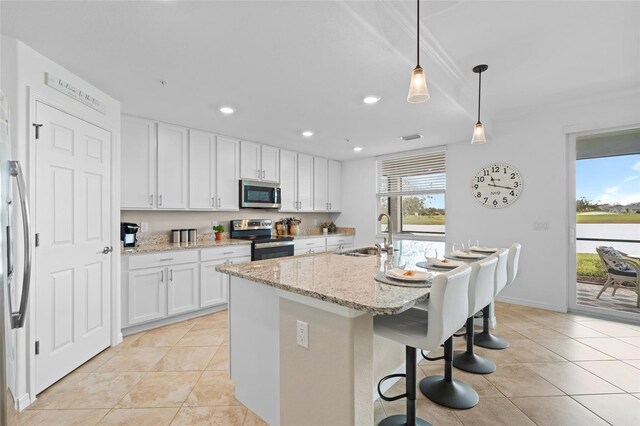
point(107, 250)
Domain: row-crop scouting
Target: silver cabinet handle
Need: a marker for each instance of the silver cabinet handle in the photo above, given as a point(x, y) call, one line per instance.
point(171, 275)
point(213, 201)
point(162, 276)
point(107, 250)
point(329, 206)
point(219, 202)
point(151, 199)
point(18, 318)
point(263, 174)
point(228, 252)
point(160, 199)
point(258, 170)
point(166, 259)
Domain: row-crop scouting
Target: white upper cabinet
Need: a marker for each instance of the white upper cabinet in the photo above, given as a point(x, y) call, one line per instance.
point(138, 163)
point(327, 176)
point(172, 167)
point(202, 176)
point(320, 198)
point(334, 185)
point(259, 162)
point(305, 183)
point(250, 161)
point(227, 171)
point(289, 181)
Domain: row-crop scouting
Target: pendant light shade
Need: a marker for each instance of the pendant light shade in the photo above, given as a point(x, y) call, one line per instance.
point(418, 91)
point(478, 131)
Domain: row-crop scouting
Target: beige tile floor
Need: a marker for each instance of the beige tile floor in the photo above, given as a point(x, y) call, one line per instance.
point(561, 369)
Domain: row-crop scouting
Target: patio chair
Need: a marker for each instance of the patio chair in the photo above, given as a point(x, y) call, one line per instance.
point(621, 268)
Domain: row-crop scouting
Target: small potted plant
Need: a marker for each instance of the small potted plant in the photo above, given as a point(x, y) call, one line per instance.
point(293, 223)
point(279, 228)
point(332, 228)
point(325, 227)
point(218, 229)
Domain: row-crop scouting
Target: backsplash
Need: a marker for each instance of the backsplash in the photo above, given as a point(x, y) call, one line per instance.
point(162, 222)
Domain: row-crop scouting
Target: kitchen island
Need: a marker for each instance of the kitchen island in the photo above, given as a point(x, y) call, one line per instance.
point(302, 347)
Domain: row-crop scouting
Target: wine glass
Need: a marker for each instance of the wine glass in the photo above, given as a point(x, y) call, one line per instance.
point(455, 247)
point(473, 243)
point(430, 253)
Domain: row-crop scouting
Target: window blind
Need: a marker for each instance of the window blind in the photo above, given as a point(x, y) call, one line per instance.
point(411, 174)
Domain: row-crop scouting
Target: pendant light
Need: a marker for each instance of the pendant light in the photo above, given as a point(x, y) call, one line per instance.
point(418, 87)
point(478, 132)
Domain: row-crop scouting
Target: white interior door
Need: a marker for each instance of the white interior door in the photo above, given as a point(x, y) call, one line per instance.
point(73, 220)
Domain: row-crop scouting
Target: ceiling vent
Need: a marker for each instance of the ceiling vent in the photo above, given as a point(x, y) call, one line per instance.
point(411, 137)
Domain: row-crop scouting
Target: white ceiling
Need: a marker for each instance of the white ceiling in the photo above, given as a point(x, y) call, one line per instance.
point(296, 65)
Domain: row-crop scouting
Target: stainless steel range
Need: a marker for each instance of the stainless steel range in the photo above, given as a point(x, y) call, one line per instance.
point(264, 245)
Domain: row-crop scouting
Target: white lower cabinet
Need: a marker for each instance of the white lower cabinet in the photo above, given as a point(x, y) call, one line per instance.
point(158, 286)
point(183, 288)
point(310, 246)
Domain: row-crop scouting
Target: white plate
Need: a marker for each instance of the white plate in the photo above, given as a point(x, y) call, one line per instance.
point(484, 249)
point(397, 274)
point(445, 264)
point(467, 255)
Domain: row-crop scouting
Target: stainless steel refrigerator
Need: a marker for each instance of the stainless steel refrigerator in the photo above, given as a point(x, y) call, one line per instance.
point(13, 307)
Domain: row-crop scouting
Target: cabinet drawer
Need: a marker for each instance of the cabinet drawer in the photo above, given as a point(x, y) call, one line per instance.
point(225, 252)
point(336, 241)
point(307, 243)
point(152, 260)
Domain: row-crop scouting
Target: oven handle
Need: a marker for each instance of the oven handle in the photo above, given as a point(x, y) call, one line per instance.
point(276, 244)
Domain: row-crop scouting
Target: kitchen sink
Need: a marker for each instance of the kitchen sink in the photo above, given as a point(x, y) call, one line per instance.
point(359, 252)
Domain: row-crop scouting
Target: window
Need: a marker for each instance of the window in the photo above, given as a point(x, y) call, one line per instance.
point(411, 188)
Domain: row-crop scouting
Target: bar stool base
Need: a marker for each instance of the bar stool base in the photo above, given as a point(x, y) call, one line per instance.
point(489, 341)
point(473, 363)
point(401, 420)
point(453, 394)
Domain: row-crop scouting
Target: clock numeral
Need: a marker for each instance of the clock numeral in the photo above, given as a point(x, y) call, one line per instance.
point(495, 169)
point(516, 184)
point(513, 175)
point(480, 178)
point(504, 171)
point(495, 202)
point(479, 194)
point(513, 194)
point(485, 172)
point(504, 200)
point(475, 186)
point(485, 200)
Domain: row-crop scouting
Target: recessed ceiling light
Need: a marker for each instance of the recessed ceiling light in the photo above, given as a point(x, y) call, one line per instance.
point(307, 133)
point(371, 99)
point(357, 148)
point(227, 110)
point(411, 137)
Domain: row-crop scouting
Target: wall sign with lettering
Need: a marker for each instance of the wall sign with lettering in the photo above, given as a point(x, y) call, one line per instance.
point(73, 92)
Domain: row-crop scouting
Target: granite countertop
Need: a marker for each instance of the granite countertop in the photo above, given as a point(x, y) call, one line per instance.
point(343, 280)
point(162, 245)
point(303, 236)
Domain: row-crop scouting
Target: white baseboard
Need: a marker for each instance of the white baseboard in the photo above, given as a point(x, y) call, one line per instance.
point(523, 302)
point(24, 401)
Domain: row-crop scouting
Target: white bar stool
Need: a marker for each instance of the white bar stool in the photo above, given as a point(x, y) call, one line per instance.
point(416, 328)
point(481, 287)
point(506, 272)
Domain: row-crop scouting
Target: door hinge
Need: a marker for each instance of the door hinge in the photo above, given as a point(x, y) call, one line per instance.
point(37, 347)
point(38, 240)
point(37, 126)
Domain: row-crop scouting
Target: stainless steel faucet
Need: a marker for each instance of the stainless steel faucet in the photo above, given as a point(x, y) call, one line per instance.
point(388, 245)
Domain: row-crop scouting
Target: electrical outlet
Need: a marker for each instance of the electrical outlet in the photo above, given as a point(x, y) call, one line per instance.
point(302, 334)
point(315, 222)
point(540, 226)
point(144, 226)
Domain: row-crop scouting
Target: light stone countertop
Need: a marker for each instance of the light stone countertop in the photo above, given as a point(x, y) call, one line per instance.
point(343, 280)
point(159, 246)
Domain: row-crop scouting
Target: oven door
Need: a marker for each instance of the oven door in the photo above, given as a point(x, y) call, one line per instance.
point(259, 195)
point(272, 250)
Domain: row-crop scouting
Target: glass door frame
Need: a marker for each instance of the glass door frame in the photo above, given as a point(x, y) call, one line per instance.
point(573, 305)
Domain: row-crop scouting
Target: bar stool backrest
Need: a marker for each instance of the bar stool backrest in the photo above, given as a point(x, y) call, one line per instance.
point(448, 305)
point(512, 263)
point(501, 269)
point(481, 284)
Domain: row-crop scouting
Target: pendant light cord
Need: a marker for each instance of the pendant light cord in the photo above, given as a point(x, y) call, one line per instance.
point(418, 34)
point(479, 93)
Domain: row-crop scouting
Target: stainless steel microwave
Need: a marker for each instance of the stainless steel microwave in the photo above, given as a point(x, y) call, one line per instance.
point(259, 195)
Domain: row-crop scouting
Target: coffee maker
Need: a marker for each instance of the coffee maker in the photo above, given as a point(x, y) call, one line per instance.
point(128, 233)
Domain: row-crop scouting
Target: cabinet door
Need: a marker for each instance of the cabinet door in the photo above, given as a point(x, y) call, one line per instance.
point(138, 163)
point(183, 288)
point(172, 167)
point(320, 198)
point(213, 284)
point(334, 185)
point(305, 183)
point(227, 165)
point(250, 161)
point(288, 181)
point(202, 149)
point(270, 163)
point(147, 295)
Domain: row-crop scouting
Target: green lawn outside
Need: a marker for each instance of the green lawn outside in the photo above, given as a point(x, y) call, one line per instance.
point(608, 218)
point(589, 265)
point(423, 220)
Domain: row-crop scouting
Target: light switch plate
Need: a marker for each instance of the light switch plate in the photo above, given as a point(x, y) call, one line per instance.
point(144, 226)
point(302, 334)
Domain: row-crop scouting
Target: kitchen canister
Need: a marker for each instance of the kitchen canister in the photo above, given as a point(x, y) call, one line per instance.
point(175, 236)
point(193, 235)
point(184, 236)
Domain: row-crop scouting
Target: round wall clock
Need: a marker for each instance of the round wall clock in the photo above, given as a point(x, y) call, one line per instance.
point(496, 185)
